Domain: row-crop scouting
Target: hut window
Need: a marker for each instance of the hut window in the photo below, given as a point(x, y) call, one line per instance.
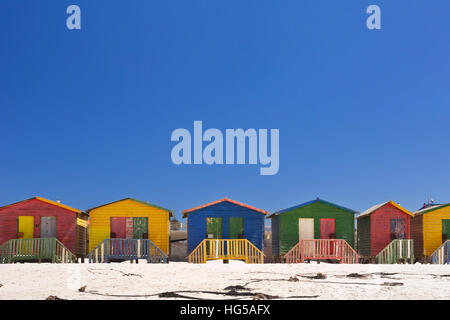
point(398, 229)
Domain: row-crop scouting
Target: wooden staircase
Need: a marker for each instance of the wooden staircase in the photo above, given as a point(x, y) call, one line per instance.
point(398, 250)
point(442, 254)
point(127, 249)
point(35, 249)
point(322, 249)
point(226, 249)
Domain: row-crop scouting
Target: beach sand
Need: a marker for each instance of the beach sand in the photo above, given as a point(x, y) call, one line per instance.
point(211, 281)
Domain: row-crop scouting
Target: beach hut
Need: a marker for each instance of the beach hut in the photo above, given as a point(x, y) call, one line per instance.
point(431, 233)
point(383, 233)
point(225, 229)
point(38, 229)
point(314, 230)
point(129, 229)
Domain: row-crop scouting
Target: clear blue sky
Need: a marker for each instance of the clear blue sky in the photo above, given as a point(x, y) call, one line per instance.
point(87, 115)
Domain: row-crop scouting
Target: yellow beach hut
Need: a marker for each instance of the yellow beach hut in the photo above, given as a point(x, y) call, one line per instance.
point(430, 230)
point(129, 229)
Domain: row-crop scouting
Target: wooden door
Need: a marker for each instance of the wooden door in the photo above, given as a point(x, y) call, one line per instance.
point(214, 228)
point(445, 230)
point(305, 228)
point(48, 227)
point(129, 228)
point(117, 225)
point(327, 229)
point(236, 228)
point(140, 228)
point(25, 227)
point(398, 229)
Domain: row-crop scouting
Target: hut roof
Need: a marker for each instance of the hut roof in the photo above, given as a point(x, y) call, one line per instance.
point(185, 212)
point(311, 202)
point(135, 200)
point(378, 206)
point(432, 208)
point(44, 200)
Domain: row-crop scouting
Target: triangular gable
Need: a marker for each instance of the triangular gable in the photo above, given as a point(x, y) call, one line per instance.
point(311, 202)
point(429, 209)
point(378, 206)
point(185, 212)
point(135, 200)
point(46, 201)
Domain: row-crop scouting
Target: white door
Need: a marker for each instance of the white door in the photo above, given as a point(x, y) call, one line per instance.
point(305, 229)
point(305, 232)
point(48, 227)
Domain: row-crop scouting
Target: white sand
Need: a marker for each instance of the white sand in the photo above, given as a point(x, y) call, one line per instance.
point(38, 281)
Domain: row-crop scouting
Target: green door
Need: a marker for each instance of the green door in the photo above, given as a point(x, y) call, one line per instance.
point(214, 228)
point(140, 228)
point(236, 228)
point(445, 230)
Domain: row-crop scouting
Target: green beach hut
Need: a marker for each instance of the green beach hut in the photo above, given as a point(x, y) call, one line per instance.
point(316, 219)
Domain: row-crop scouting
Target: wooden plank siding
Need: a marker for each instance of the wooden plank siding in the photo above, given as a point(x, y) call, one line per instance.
point(253, 223)
point(66, 220)
point(363, 235)
point(82, 235)
point(158, 221)
point(275, 236)
point(288, 223)
point(417, 236)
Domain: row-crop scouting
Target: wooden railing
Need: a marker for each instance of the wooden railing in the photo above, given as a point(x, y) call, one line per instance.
point(35, 249)
point(442, 254)
point(226, 249)
point(127, 249)
point(322, 249)
point(396, 251)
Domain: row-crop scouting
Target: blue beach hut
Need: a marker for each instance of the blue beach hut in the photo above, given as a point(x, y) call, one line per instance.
point(225, 229)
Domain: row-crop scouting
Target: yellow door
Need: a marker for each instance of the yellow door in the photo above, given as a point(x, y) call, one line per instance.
point(26, 226)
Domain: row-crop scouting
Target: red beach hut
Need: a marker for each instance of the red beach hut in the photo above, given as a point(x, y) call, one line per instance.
point(38, 229)
point(384, 233)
